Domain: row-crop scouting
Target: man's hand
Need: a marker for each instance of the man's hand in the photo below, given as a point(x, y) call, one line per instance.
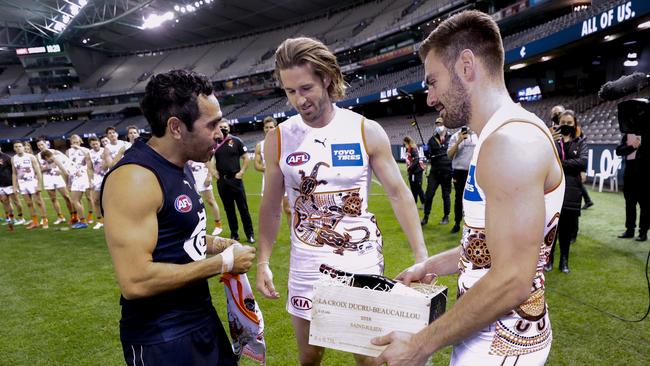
point(239, 175)
point(401, 350)
point(636, 142)
point(265, 282)
point(243, 258)
point(556, 134)
point(208, 181)
point(416, 272)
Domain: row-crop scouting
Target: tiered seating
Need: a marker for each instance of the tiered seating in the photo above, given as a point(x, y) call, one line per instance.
point(257, 107)
point(397, 127)
point(528, 35)
point(11, 133)
point(138, 121)
point(57, 128)
point(96, 127)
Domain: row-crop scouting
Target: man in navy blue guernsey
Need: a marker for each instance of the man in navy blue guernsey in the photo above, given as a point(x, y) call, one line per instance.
point(155, 230)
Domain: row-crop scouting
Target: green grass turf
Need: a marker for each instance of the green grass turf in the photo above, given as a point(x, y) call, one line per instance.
point(59, 298)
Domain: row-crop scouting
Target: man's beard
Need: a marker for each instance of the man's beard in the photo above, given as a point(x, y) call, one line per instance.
point(459, 113)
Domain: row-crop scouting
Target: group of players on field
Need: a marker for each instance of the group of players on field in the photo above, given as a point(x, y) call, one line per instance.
point(72, 174)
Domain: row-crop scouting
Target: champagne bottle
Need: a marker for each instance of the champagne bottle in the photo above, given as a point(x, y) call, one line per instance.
point(369, 281)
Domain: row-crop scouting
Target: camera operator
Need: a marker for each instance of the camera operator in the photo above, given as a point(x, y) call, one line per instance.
point(633, 188)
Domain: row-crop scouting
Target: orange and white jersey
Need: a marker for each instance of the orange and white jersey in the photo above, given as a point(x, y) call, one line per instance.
point(526, 328)
point(49, 169)
point(113, 149)
point(78, 156)
point(326, 177)
point(24, 167)
point(97, 160)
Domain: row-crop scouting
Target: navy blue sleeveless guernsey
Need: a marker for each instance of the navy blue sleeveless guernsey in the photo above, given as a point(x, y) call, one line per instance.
point(181, 239)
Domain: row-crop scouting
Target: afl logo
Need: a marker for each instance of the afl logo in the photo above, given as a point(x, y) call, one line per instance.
point(301, 303)
point(183, 204)
point(297, 158)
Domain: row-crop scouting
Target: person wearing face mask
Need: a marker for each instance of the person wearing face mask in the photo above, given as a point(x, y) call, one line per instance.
point(573, 154)
point(231, 160)
point(440, 172)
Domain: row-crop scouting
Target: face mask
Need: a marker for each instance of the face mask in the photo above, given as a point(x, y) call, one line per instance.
point(439, 130)
point(224, 132)
point(567, 130)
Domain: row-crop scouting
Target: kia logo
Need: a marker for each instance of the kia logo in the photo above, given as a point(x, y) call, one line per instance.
point(301, 303)
point(297, 158)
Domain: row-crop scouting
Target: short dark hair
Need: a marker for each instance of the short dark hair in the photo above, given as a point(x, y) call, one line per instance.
point(93, 138)
point(173, 94)
point(110, 128)
point(470, 29)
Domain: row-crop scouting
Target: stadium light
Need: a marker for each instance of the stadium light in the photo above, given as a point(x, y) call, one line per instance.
point(631, 55)
point(177, 8)
point(546, 58)
point(644, 25)
point(630, 63)
point(155, 20)
point(517, 66)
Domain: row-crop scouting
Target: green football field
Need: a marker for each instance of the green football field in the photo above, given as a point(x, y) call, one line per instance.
point(59, 298)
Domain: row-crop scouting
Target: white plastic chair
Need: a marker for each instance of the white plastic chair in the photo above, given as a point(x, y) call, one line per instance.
point(611, 174)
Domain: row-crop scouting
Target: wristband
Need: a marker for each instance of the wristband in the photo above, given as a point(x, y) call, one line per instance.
point(227, 259)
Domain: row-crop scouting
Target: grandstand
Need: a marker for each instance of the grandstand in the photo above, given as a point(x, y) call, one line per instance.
point(242, 64)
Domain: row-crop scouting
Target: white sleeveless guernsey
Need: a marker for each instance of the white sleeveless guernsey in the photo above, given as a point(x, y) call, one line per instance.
point(327, 176)
point(24, 169)
point(525, 329)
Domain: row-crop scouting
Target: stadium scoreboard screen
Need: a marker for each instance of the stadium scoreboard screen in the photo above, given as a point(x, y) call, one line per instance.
point(51, 48)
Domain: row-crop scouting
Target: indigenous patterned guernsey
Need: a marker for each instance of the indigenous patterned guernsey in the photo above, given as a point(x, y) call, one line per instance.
point(97, 160)
point(327, 176)
point(25, 174)
point(526, 328)
point(52, 178)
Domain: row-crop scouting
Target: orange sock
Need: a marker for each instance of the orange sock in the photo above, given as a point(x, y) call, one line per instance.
point(90, 215)
point(35, 220)
point(217, 223)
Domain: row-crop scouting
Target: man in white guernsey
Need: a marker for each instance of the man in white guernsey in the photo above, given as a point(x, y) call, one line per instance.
point(53, 181)
point(512, 201)
point(115, 148)
point(203, 174)
point(269, 123)
point(81, 179)
point(324, 158)
point(96, 154)
point(132, 133)
point(28, 180)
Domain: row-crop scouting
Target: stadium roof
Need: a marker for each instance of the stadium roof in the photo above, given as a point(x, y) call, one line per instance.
point(116, 25)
